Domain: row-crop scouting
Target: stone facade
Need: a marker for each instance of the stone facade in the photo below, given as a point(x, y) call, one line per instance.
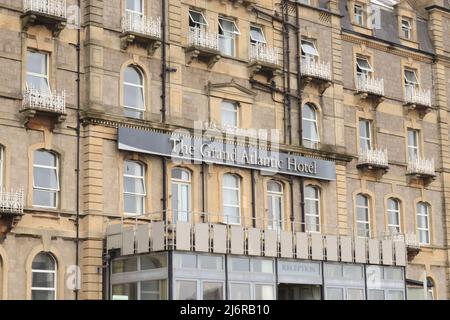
point(194, 90)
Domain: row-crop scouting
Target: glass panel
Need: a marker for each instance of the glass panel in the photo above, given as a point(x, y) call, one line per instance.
point(262, 266)
point(240, 291)
point(37, 63)
point(132, 76)
point(42, 295)
point(44, 158)
point(226, 45)
point(36, 82)
point(212, 291)
point(364, 64)
point(353, 272)
point(133, 97)
point(309, 48)
point(150, 290)
point(43, 280)
point(134, 185)
point(134, 169)
point(333, 270)
point(127, 291)
point(180, 174)
point(150, 262)
point(335, 294)
point(210, 262)
point(410, 76)
point(196, 19)
point(376, 295)
point(44, 198)
point(45, 178)
point(231, 214)
point(257, 35)
point(355, 294)
point(274, 186)
point(125, 265)
point(43, 261)
point(133, 204)
point(393, 273)
point(240, 265)
point(264, 292)
point(134, 5)
point(230, 181)
point(132, 113)
point(188, 261)
point(424, 236)
point(361, 201)
point(186, 290)
point(395, 295)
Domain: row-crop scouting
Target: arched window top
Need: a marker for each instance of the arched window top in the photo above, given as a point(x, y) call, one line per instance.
point(133, 76)
point(275, 186)
point(231, 180)
point(312, 192)
point(423, 204)
point(45, 158)
point(181, 174)
point(44, 261)
point(362, 200)
point(309, 111)
point(134, 168)
point(393, 204)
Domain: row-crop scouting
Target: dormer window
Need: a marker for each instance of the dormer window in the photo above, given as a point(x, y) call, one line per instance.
point(197, 20)
point(406, 28)
point(359, 14)
point(363, 68)
point(309, 51)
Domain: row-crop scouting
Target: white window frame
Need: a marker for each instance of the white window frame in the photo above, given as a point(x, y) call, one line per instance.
point(225, 107)
point(140, 87)
point(362, 222)
point(229, 34)
point(366, 72)
point(238, 189)
point(411, 147)
point(143, 195)
point(358, 14)
point(309, 56)
point(56, 169)
point(427, 216)
point(411, 85)
point(204, 24)
point(316, 201)
point(276, 223)
point(43, 76)
point(396, 212)
point(406, 28)
point(255, 41)
point(179, 183)
point(364, 140)
point(314, 144)
point(134, 12)
point(55, 278)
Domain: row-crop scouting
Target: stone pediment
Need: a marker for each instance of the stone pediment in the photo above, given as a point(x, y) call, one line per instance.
point(231, 90)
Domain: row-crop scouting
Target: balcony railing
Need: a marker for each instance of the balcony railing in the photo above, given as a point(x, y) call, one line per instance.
point(137, 23)
point(38, 99)
point(57, 8)
point(370, 85)
point(263, 53)
point(11, 202)
point(376, 157)
point(316, 69)
point(200, 37)
point(409, 238)
point(417, 96)
point(215, 233)
point(421, 167)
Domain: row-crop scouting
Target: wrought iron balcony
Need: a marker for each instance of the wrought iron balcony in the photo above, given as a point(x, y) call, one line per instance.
point(203, 45)
point(417, 99)
point(44, 102)
point(52, 13)
point(422, 168)
point(316, 72)
point(11, 202)
point(370, 86)
point(263, 59)
point(141, 29)
point(373, 159)
point(205, 232)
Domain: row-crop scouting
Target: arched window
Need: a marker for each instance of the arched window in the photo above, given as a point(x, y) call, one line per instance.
point(231, 195)
point(275, 197)
point(312, 209)
point(311, 138)
point(134, 188)
point(393, 212)
point(181, 194)
point(2, 164)
point(45, 179)
point(362, 216)
point(423, 222)
point(133, 93)
point(43, 286)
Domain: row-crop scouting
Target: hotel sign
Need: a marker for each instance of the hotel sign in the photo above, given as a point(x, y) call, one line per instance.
point(302, 272)
point(187, 148)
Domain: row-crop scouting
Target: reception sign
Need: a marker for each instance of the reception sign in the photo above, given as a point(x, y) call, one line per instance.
point(198, 150)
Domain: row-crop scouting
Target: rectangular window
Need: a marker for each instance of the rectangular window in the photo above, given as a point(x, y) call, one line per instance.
point(362, 216)
point(134, 188)
point(365, 135)
point(210, 262)
point(186, 290)
point(135, 6)
point(264, 292)
point(240, 265)
point(262, 266)
point(45, 179)
point(413, 144)
point(375, 294)
point(37, 71)
point(395, 295)
point(406, 29)
point(423, 223)
point(359, 14)
point(393, 212)
point(355, 294)
point(231, 196)
point(257, 35)
point(185, 261)
point(309, 51)
point(197, 20)
point(240, 291)
point(212, 290)
point(126, 291)
point(151, 290)
point(228, 31)
point(230, 115)
point(411, 81)
point(335, 293)
point(363, 68)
